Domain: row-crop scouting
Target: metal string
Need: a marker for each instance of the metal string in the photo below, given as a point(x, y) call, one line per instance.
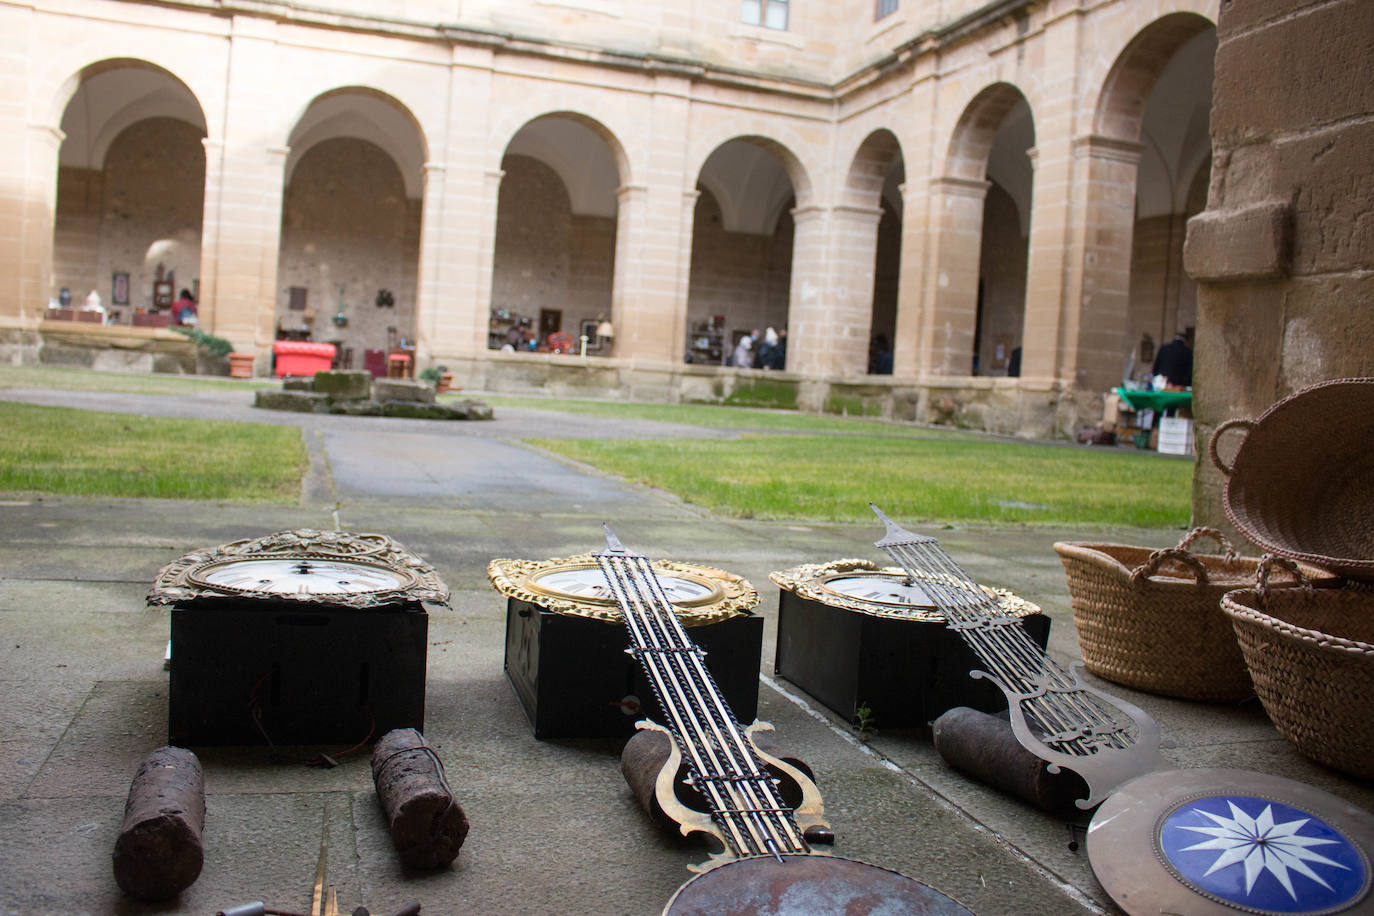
point(1067, 717)
point(742, 793)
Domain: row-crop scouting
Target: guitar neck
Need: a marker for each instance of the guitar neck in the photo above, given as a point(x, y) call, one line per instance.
point(723, 766)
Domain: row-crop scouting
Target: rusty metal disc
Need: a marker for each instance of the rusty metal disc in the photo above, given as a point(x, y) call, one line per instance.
point(1215, 841)
point(803, 885)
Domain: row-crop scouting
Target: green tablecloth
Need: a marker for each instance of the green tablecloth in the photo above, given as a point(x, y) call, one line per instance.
point(1155, 400)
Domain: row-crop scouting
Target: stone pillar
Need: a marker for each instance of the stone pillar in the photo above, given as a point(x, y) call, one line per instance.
point(638, 331)
point(428, 305)
point(488, 207)
point(210, 232)
point(1284, 253)
point(810, 342)
point(653, 241)
point(853, 253)
point(686, 228)
point(1093, 340)
point(952, 284)
point(243, 296)
point(26, 226)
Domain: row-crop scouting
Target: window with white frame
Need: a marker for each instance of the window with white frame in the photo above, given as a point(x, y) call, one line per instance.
point(885, 7)
point(770, 13)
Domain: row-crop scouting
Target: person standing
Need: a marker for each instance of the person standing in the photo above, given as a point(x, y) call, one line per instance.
point(743, 357)
point(184, 310)
point(1174, 361)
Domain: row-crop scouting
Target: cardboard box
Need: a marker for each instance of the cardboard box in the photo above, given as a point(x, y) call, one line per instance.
point(1175, 436)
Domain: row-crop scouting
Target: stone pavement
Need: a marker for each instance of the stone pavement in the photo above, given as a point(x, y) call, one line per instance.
point(83, 694)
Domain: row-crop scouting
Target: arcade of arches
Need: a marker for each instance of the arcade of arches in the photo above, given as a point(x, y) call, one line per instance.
point(972, 215)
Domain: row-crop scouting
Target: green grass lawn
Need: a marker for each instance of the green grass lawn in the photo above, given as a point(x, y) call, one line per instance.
point(963, 480)
point(720, 417)
point(68, 452)
point(63, 378)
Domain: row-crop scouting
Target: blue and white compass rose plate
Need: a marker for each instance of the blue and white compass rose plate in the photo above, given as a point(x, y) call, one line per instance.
point(1261, 855)
point(1211, 842)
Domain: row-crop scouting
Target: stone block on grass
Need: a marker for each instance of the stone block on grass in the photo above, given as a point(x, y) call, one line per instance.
point(298, 401)
point(402, 389)
point(345, 385)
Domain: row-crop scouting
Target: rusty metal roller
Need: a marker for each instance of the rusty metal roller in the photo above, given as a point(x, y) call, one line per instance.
point(159, 852)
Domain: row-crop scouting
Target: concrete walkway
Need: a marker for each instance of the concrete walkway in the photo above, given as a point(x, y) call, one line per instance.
point(83, 693)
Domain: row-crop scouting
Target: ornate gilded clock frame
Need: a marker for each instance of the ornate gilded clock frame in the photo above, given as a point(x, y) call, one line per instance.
point(729, 595)
point(811, 581)
point(183, 579)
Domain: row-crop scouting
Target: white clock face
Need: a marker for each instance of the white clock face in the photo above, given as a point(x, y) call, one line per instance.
point(299, 576)
point(880, 589)
point(588, 583)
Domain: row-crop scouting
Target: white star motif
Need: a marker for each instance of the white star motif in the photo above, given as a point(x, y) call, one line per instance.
point(1261, 845)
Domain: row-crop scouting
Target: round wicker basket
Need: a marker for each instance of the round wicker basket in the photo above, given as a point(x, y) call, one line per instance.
point(1152, 620)
point(1301, 484)
point(1311, 655)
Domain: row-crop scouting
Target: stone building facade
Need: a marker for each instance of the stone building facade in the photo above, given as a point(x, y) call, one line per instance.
point(961, 179)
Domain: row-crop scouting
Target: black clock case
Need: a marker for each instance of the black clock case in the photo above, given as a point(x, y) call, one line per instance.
point(314, 673)
point(572, 673)
point(907, 672)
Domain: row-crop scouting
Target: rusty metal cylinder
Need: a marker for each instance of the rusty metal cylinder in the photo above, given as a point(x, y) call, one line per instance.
point(427, 824)
point(984, 747)
point(159, 853)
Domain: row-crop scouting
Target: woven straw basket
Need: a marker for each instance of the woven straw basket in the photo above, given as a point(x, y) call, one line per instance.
point(1301, 484)
point(1311, 654)
point(1152, 620)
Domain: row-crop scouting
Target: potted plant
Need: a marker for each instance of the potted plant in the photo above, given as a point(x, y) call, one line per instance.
point(214, 355)
point(439, 377)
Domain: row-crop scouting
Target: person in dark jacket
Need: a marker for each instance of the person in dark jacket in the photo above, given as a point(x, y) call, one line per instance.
point(1174, 361)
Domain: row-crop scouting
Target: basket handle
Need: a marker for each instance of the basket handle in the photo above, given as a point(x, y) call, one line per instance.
point(1266, 565)
point(1215, 535)
point(1225, 469)
point(1151, 565)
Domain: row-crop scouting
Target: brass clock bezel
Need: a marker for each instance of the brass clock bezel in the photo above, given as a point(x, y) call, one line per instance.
point(809, 581)
point(730, 595)
point(196, 576)
point(183, 580)
point(714, 591)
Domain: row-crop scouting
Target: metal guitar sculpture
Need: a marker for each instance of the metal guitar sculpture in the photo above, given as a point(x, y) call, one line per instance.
point(1054, 714)
point(765, 853)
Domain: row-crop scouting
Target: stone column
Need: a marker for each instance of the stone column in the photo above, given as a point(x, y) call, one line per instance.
point(853, 251)
point(26, 224)
point(1093, 340)
point(952, 284)
point(428, 304)
point(479, 321)
point(809, 328)
point(686, 229)
point(210, 231)
point(638, 330)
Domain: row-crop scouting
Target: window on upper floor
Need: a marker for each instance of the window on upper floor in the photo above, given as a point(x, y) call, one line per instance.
point(770, 13)
point(885, 7)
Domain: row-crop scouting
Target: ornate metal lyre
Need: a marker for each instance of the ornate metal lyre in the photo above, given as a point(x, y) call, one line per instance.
point(1054, 714)
point(724, 765)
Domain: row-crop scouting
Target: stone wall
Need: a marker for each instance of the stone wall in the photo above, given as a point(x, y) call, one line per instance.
point(1284, 253)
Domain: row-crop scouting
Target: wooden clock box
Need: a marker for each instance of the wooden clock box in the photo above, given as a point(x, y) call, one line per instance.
point(300, 637)
point(566, 644)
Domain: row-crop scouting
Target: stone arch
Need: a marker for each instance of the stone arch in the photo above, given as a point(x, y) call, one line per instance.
point(974, 133)
point(706, 143)
point(558, 220)
point(741, 257)
point(870, 166)
point(367, 114)
point(513, 123)
point(130, 185)
point(1120, 108)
